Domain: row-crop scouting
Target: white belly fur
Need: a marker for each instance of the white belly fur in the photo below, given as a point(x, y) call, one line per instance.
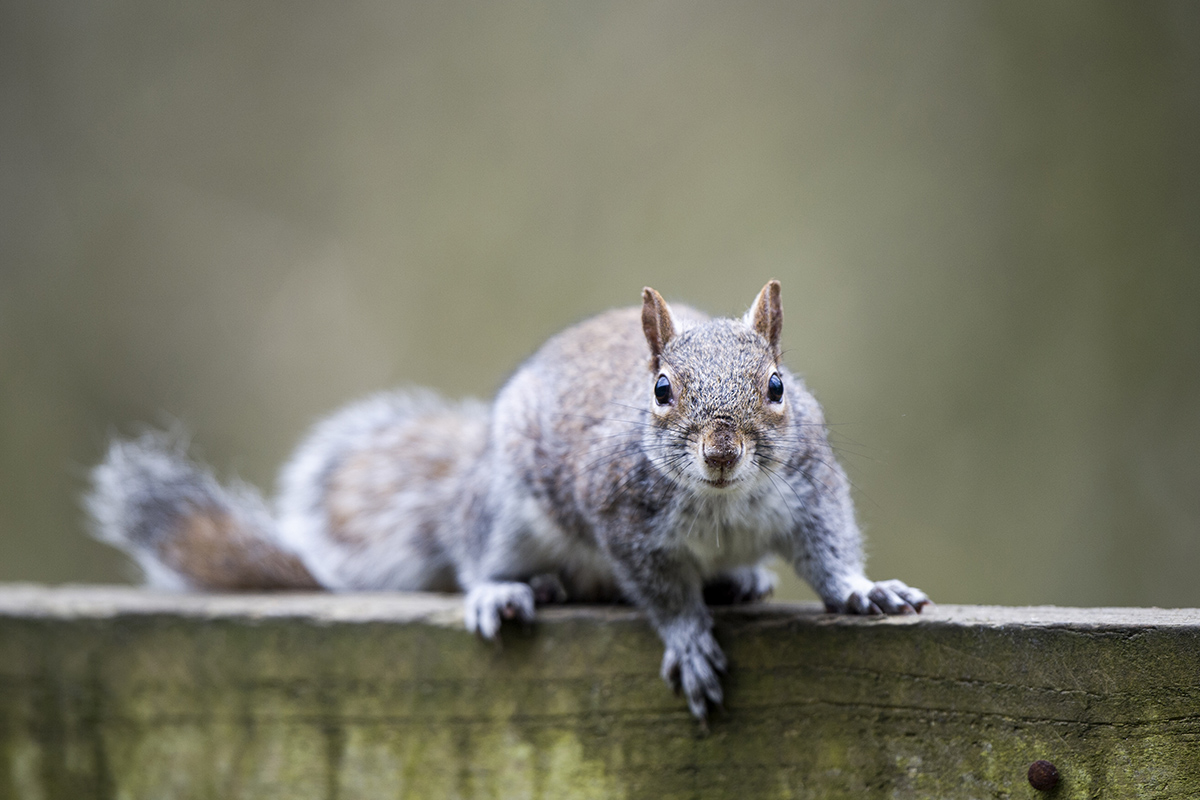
point(724, 532)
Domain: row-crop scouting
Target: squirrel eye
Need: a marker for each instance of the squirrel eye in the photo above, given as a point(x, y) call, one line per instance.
point(662, 390)
point(774, 388)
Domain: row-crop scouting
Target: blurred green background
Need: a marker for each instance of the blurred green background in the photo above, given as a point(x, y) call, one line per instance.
point(986, 219)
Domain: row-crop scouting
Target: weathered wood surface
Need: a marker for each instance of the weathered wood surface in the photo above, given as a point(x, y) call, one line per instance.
point(122, 693)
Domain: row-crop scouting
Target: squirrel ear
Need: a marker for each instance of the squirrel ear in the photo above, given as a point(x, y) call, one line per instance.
point(766, 315)
point(656, 323)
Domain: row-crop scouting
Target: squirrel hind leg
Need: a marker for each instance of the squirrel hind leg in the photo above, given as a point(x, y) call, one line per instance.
point(747, 584)
point(184, 529)
point(547, 589)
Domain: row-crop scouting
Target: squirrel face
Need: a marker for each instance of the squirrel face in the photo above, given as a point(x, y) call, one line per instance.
point(716, 392)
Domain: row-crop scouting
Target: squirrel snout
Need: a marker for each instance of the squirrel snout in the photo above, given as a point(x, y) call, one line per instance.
point(721, 449)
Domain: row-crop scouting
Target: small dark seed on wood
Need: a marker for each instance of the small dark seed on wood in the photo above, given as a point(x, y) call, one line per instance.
point(1043, 776)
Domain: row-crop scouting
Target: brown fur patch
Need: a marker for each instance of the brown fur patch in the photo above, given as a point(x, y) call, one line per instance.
point(411, 460)
point(213, 552)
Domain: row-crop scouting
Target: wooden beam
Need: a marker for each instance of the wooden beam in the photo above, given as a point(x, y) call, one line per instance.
point(118, 692)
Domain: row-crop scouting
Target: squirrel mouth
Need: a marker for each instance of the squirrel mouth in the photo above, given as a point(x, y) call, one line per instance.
point(719, 483)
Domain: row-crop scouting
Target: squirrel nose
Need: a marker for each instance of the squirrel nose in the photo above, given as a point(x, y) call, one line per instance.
point(721, 449)
point(722, 458)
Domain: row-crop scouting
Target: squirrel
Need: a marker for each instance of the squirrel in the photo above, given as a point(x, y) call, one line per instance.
point(654, 456)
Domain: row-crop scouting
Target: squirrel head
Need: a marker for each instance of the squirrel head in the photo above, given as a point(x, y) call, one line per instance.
point(717, 391)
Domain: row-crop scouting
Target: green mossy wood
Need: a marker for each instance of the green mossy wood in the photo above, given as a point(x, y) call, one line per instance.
point(121, 693)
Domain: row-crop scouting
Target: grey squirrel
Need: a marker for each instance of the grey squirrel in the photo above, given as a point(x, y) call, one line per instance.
point(655, 456)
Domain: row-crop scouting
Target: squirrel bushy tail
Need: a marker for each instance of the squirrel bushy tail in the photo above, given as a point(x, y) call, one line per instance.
point(184, 528)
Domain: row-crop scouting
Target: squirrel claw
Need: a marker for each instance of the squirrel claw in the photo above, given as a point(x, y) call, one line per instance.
point(488, 603)
point(691, 667)
point(885, 597)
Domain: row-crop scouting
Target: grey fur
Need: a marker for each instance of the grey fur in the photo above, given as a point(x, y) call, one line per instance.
point(576, 479)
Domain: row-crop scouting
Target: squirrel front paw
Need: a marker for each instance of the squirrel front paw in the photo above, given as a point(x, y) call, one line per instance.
point(489, 603)
point(692, 665)
point(881, 597)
